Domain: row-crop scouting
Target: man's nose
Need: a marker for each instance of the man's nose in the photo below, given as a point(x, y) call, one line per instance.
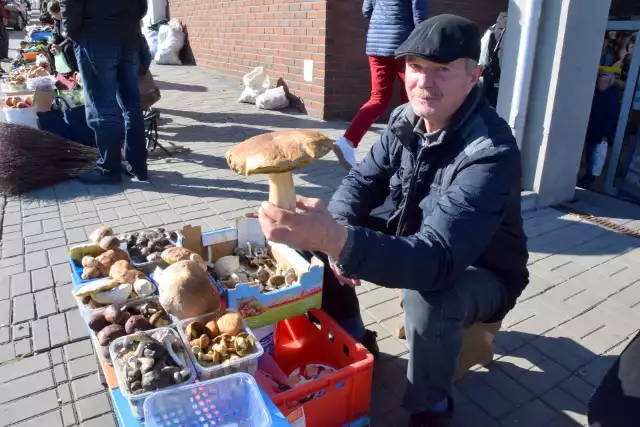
point(425, 79)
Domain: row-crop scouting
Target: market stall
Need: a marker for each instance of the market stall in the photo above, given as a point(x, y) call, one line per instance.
point(217, 328)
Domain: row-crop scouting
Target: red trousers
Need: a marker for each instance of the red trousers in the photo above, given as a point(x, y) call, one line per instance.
point(384, 70)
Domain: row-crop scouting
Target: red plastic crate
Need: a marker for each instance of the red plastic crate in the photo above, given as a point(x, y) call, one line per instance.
point(347, 391)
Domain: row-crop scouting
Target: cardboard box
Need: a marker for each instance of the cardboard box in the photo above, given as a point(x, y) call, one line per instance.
point(268, 308)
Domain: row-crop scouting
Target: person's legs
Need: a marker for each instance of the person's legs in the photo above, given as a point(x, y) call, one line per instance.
point(434, 324)
point(383, 74)
point(129, 98)
point(98, 65)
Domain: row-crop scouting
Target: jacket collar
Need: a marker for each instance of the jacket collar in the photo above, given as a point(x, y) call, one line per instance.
point(410, 126)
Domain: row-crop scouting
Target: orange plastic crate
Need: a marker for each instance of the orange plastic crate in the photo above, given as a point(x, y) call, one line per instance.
point(347, 391)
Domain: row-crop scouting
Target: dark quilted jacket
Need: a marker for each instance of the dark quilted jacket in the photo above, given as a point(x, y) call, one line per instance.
point(391, 22)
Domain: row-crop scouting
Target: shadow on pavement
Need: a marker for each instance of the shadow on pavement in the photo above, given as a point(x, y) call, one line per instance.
point(162, 85)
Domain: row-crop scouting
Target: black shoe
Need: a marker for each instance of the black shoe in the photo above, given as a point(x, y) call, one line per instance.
point(370, 342)
point(142, 176)
point(433, 419)
point(99, 176)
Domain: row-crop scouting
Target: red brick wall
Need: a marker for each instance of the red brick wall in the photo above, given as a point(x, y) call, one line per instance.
point(234, 36)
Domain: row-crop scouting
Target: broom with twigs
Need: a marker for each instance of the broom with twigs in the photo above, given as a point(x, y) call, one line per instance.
point(31, 159)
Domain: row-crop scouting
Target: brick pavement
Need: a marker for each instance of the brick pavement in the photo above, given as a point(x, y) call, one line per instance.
point(580, 308)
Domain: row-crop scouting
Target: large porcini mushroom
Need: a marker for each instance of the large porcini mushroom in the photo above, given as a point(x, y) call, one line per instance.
point(277, 154)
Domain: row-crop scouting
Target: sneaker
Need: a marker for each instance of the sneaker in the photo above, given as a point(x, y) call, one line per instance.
point(433, 419)
point(345, 152)
point(98, 176)
point(370, 342)
point(142, 176)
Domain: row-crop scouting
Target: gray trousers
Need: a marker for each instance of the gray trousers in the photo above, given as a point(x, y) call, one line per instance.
point(434, 326)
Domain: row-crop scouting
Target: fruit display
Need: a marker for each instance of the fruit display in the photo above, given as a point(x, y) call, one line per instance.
point(255, 266)
point(219, 341)
point(147, 246)
point(18, 102)
point(186, 290)
point(149, 361)
point(118, 320)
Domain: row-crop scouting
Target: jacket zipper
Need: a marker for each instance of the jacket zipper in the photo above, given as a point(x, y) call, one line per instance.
point(414, 176)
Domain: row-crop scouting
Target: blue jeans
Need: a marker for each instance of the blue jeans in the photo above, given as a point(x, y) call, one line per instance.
point(434, 326)
point(110, 80)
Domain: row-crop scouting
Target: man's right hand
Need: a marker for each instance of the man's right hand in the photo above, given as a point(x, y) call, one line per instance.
point(342, 279)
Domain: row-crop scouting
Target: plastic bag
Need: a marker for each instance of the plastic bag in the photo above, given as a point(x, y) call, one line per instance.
point(599, 158)
point(170, 42)
point(152, 41)
point(273, 99)
point(41, 83)
point(21, 116)
point(255, 82)
point(41, 60)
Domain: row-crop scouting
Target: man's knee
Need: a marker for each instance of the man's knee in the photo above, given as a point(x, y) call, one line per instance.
point(428, 313)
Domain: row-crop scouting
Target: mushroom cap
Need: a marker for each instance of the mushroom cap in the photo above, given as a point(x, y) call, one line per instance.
point(277, 152)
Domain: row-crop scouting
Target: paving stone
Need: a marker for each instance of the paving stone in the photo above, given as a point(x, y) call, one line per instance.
point(596, 370)
point(22, 347)
point(12, 248)
point(465, 415)
point(30, 407)
point(40, 331)
point(68, 209)
point(64, 392)
point(77, 327)
point(45, 303)
point(102, 421)
point(484, 396)
point(107, 215)
point(5, 312)
point(169, 216)
point(78, 349)
point(7, 352)
point(86, 386)
point(58, 330)
point(59, 254)
point(506, 386)
point(47, 244)
point(60, 374)
point(23, 308)
point(5, 334)
point(377, 296)
point(543, 376)
point(5, 287)
point(52, 419)
point(20, 284)
point(61, 274)
point(24, 367)
point(390, 347)
point(93, 406)
point(385, 310)
point(65, 298)
point(36, 260)
point(56, 356)
point(68, 415)
point(26, 386)
point(563, 402)
point(563, 350)
point(533, 414)
point(82, 366)
point(32, 229)
point(50, 225)
point(76, 235)
point(21, 331)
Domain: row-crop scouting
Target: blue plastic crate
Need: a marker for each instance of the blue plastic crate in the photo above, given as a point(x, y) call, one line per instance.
point(234, 400)
point(40, 35)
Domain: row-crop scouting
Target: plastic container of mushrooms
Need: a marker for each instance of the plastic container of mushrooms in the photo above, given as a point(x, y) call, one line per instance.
point(218, 347)
point(149, 361)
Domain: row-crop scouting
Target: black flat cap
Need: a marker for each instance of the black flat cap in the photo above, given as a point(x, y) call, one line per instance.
point(442, 39)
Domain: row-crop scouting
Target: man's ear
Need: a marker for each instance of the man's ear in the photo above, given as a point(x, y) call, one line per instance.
point(475, 74)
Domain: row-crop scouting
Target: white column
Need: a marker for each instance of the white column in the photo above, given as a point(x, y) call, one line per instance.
point(567, 55)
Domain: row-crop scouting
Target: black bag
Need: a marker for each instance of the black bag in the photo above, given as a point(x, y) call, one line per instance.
point(491, 71)
point(68, 122)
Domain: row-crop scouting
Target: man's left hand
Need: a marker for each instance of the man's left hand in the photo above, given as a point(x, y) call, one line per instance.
point(313, 229)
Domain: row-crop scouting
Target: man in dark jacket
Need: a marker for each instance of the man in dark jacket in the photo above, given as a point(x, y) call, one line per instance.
point(107, 38)
point(391, 22)
point(455, 242)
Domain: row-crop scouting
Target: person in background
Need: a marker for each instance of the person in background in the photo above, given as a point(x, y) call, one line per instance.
point(455, 242)
point(4, 34)
point(107, 37)
point(602, 121)
point(61, 43)
point(391, 22)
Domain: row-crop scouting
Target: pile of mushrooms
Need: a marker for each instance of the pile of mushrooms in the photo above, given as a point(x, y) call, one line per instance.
point(147, 246)
point(253, 265)
point(97, 257)
point(151, 362)
point(119, 320)
point(221, 341)
point(278, 154)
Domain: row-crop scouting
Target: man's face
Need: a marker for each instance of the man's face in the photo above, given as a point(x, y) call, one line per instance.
point(436, 91)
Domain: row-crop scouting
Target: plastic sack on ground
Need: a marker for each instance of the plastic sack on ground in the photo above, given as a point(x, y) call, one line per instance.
point(273, 99)
point(255, 83)
point(599, 158)
point(170, 42)
point(152, 41)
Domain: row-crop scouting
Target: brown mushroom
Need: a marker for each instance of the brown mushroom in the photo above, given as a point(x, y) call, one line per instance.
point(277, 154)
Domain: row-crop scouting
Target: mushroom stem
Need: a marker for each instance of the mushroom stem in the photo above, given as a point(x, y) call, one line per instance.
point(282, 193)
